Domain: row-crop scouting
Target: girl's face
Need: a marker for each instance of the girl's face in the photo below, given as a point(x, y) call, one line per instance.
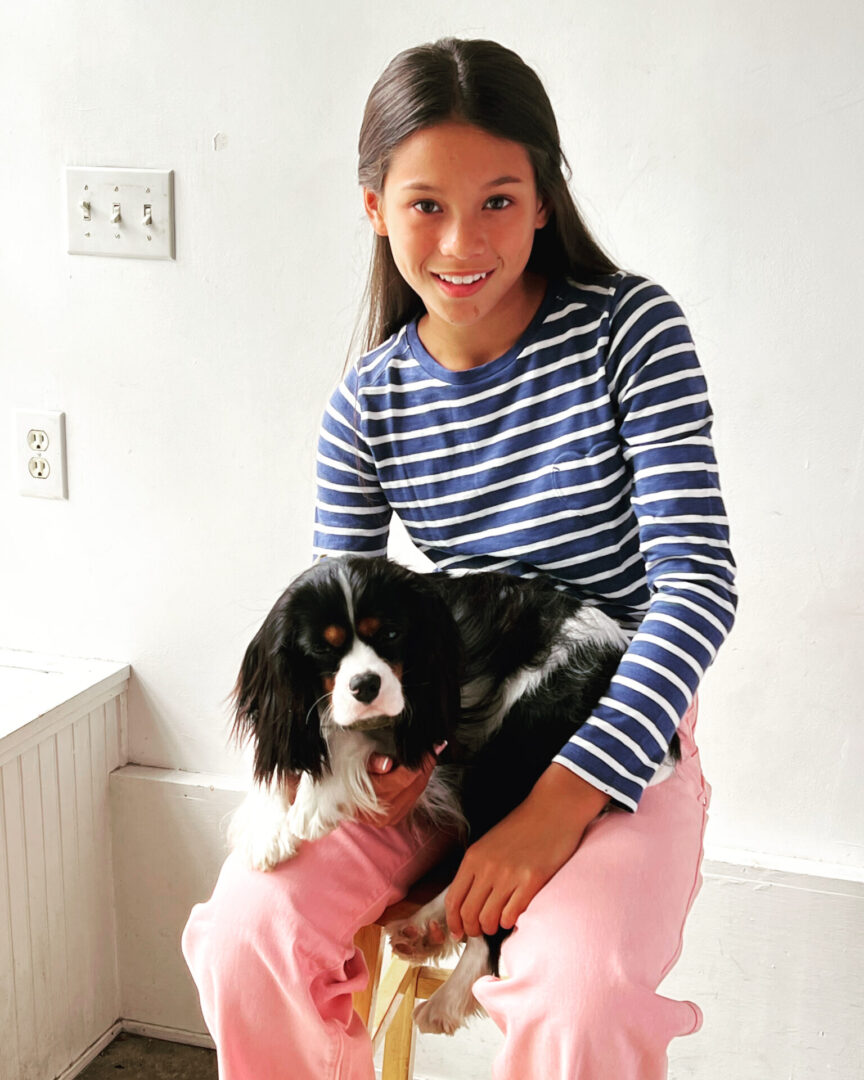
point(460, 208)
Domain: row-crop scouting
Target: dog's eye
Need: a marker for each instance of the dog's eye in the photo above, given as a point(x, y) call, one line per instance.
point(372, 628)
point(335, 636)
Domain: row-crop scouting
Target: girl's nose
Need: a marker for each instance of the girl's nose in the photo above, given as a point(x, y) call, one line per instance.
point(462, 239)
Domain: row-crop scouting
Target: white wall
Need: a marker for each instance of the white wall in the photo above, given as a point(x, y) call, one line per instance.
point(715, 147)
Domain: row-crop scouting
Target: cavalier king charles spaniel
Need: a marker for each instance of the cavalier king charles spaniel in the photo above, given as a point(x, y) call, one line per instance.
point(360, 656)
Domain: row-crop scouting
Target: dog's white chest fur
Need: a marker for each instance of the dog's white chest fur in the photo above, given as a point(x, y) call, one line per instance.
point(268, 827)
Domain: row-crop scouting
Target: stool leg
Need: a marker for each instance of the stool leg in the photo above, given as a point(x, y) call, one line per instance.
point(398, 1063)
point(370, 941)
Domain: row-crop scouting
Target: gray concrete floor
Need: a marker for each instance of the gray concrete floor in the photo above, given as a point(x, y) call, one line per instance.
point(136, 1058)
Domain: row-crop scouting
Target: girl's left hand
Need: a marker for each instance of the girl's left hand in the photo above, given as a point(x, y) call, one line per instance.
point(504, 870)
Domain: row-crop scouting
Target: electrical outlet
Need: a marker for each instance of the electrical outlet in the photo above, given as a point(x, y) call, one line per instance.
point(41, 454)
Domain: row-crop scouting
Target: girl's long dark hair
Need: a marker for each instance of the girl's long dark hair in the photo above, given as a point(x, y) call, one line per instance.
point(488, 85)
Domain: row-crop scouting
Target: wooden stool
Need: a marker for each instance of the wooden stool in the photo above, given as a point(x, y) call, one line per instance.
point(386, 1006)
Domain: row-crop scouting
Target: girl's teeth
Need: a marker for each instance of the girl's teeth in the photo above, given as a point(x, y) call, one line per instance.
point(459, 279)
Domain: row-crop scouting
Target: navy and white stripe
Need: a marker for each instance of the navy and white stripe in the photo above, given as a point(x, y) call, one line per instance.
point(583, 453)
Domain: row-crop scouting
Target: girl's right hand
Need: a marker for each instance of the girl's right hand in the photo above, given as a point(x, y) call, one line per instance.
point(397, 789)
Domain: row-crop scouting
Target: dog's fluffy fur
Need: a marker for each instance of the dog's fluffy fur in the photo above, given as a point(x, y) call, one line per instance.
point(361, 656)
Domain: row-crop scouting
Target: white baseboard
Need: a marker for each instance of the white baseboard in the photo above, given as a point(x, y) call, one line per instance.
point(168, 1034)
point(93, 1051)
point(149, 1031)
point(786, 864)
point(773, 956)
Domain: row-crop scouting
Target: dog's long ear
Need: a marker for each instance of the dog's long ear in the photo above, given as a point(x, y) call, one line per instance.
point(276, 701)
point(430, 680)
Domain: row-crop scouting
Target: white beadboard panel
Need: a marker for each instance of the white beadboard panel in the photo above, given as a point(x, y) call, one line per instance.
point(8, 1009)
point(49, 780)
point(36, 898)
point(76, 921)
point(58, 960)
point(21, 968)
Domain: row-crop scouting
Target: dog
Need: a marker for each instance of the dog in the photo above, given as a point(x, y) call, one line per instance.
point(361, 656)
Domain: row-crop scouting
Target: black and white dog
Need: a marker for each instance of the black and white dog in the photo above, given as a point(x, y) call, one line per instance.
point(362, 656)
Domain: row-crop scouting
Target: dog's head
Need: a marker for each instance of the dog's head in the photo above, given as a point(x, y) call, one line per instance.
point(357, 643)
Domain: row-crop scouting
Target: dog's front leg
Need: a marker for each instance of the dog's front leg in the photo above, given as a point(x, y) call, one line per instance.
point(318, 808)
point(268, 827)
point(261, 831)
point(343, 794)
point(424, 936)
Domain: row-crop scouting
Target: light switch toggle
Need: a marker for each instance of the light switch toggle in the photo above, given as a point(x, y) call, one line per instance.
point(148, 215)
point(115, 213)
point(84, 207)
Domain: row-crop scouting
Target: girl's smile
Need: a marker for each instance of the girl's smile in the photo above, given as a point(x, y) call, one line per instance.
point(462, 284)
point(460, 208)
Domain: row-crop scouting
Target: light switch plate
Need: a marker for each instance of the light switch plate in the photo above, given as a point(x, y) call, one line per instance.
point(120, 212)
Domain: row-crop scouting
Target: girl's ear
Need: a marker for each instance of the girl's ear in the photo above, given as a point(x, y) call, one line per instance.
point(544, 212)
point(373, 205)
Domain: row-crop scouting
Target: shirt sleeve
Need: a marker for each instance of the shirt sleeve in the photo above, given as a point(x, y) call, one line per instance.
point(352, 515)
point(664, 423)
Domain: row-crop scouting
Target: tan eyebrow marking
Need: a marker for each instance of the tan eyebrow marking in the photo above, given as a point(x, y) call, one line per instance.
point(369, 626)
point(335, 635)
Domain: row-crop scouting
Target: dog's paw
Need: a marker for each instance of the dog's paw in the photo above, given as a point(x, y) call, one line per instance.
point(262, 841)
point(444, 1014)
point(419, 939)
point(454, 1003)
point(308, 823)
point(268, 854)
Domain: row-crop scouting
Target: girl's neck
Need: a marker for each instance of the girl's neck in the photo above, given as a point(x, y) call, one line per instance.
point(459, 347)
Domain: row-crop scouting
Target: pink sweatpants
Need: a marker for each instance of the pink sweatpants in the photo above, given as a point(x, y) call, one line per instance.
point(275, 965)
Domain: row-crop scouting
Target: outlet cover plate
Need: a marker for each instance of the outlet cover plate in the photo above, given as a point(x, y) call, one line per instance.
point(41, 453)
point(97, 191)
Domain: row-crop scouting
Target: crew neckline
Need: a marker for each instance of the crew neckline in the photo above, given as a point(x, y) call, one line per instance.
point(492, 368)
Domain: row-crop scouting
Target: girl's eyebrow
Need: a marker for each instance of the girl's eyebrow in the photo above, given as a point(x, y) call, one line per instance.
point(416, 185)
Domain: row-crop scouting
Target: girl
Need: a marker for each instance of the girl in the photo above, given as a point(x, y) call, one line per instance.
point(524, 406)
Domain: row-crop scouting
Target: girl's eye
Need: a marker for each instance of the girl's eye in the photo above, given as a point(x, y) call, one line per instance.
point(498, 202)
point(426, 206)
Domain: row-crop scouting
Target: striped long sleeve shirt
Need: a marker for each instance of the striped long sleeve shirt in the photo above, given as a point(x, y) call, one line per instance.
point(583, 453)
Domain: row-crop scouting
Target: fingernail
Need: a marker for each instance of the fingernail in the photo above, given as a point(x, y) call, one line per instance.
point(440, 747)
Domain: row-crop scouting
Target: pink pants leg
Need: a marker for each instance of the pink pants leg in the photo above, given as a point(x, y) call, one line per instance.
point(273, 958)
point(578, 1000)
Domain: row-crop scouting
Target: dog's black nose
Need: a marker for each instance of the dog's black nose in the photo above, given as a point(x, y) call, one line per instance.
point(365, 687)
